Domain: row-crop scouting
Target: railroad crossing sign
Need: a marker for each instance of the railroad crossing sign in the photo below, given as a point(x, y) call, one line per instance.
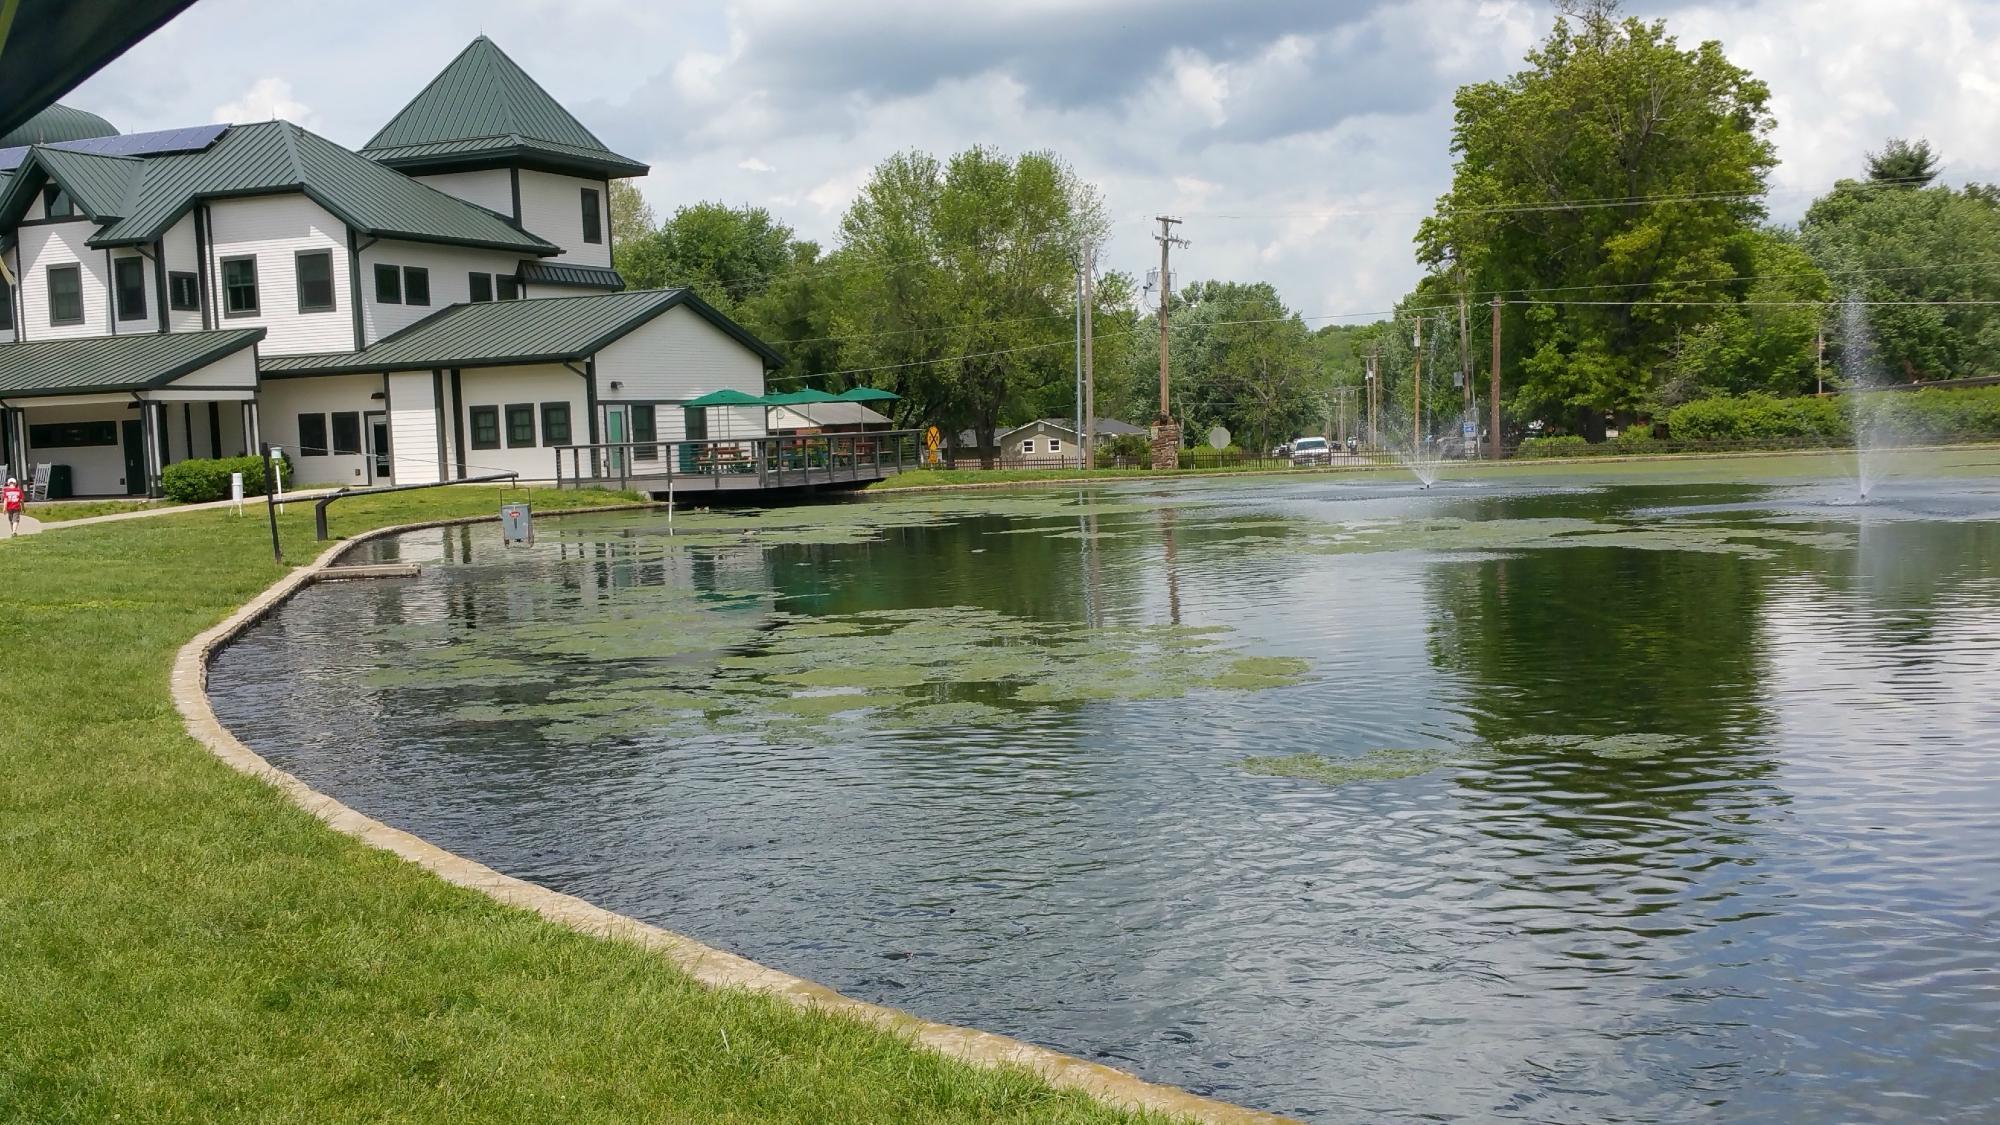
point(932, 438)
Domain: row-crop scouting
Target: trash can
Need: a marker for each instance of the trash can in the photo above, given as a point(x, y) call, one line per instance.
point(516, 524)
point(61, 485)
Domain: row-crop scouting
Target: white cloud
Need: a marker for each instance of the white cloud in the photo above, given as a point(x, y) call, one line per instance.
point(267, 99)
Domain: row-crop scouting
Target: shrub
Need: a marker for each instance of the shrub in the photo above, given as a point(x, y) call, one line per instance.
point(1637, 439)
point(1923, 416)
point(1131, 449)
point(1568, 445)
point(203, 479)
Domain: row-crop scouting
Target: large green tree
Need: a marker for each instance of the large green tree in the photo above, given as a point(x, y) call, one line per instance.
point(1919, 255)
point(727, 255)
point(1617, 167)
point(963, 288)
point(1768, 342)
point(1240, 359)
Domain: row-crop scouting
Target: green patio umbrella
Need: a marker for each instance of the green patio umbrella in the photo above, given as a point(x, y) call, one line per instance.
point(867, 394)
point(727, 397)
point(801, 397)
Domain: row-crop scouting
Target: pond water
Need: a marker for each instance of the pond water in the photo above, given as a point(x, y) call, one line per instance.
point(1536, 796)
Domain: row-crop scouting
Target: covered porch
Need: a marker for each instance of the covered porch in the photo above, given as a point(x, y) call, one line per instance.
point(108, 414)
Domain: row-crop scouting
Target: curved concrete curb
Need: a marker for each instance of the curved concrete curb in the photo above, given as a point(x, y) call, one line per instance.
point(710, 966)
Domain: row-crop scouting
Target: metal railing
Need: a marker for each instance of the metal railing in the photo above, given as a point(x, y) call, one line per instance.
point(745, 463)
point(319, 508)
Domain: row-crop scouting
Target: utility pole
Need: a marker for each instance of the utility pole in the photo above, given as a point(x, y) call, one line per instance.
point(1417, 391)
point(1469, 444)
point(1493, 389)
point(1077, 418)
point(1374, 396)
point(1166, 435)
point(1819, 356)
point(1089, 375)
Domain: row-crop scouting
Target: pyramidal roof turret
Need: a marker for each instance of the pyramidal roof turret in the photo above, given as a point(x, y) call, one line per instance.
point(484, 111)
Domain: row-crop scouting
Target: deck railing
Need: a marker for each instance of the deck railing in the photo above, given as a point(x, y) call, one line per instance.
point(719, 464)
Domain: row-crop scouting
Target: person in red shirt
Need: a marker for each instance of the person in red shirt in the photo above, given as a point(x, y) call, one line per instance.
point(15, 499)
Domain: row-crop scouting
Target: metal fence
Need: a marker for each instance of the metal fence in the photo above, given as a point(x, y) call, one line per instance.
point(733, 464)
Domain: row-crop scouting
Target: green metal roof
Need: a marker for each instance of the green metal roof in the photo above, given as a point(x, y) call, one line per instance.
point(484, 103)
point(58, 123)
point(568, 273)
point(500, 333)
point(277, 156)
point(102, 186)
point(97, 364)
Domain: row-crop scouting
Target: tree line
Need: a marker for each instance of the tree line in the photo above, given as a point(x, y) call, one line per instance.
point(1612, 193)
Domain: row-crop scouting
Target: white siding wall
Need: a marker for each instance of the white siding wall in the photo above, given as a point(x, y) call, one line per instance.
point(95, 470)
point(275, 228)
point(678, 356)
point(552, 207)
point(280, 403)
point(501, 386)
point(178, 246)
point(449, 266)
point(59, 244)
point(413, 427)
point(491, 188)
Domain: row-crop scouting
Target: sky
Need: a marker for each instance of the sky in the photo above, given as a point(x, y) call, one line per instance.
point(1300, 140)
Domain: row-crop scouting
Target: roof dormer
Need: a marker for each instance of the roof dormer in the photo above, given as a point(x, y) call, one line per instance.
point(483, 111)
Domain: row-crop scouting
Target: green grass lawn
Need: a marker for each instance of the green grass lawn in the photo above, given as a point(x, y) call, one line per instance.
point(179, 943)
point(83, 509)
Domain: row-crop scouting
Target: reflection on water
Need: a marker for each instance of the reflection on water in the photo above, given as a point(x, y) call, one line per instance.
point(1782, 902)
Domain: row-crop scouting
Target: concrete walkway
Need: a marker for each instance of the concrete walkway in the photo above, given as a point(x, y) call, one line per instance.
point(32, 526)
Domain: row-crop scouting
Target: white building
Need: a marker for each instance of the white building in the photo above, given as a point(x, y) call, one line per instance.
point(438, 305)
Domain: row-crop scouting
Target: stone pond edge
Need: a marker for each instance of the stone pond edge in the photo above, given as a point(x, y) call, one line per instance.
point(710, 966)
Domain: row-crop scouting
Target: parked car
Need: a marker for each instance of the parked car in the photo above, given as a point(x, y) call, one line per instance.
point(1280, 452)
point(1312, 451)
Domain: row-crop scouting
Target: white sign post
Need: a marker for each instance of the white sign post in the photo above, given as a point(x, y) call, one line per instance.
point(277, 481)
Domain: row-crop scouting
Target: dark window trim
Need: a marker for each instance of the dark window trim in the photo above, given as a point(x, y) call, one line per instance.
point(394, 276)
point(6, 306)
point(472, 284)
point(502, 283)
point(298, 279)
point(256, 286)
point(118, 287)
point(50, 277)
point(548, 437)
point(493, 414)
point(306, 449)
point(175, 278)
point(513, 442)
point(354, 448)
point(410, 273)
point(593, 219)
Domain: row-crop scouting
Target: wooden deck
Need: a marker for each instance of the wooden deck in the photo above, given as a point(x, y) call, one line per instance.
point(741, 467)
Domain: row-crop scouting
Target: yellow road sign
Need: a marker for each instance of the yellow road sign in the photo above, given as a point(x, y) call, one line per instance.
point(932, 438)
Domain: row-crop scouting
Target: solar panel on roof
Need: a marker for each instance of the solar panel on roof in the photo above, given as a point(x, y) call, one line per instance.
point(160, 142)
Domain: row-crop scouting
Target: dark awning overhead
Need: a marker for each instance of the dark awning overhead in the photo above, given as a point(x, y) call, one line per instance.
point(52, 45)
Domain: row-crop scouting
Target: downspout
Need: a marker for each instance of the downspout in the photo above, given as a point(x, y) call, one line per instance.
point(110, 292)
point(354, 287)
point(458, 421)
point(589, 374)
point(160, 286)
point(437, 412)
point(389, 418)
point(205, 292)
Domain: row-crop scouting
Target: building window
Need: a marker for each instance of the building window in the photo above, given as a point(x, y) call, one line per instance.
point(312, 435)
point(1055, 445)
point(65, 294)
point(239, 287)
point(520, 424)
point(416, 285)
point(57, 203)
point(645, 432)
point(1028, 447)
point(481, 286)
point(6, 306)
point(315, 281)
point(555, 423)
point(593, 228)
point(347, 432)
point(129, 275)
point(510, 287)
point(485, 427)
point(388, 284)
point(183, 291)
point(72, 435)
